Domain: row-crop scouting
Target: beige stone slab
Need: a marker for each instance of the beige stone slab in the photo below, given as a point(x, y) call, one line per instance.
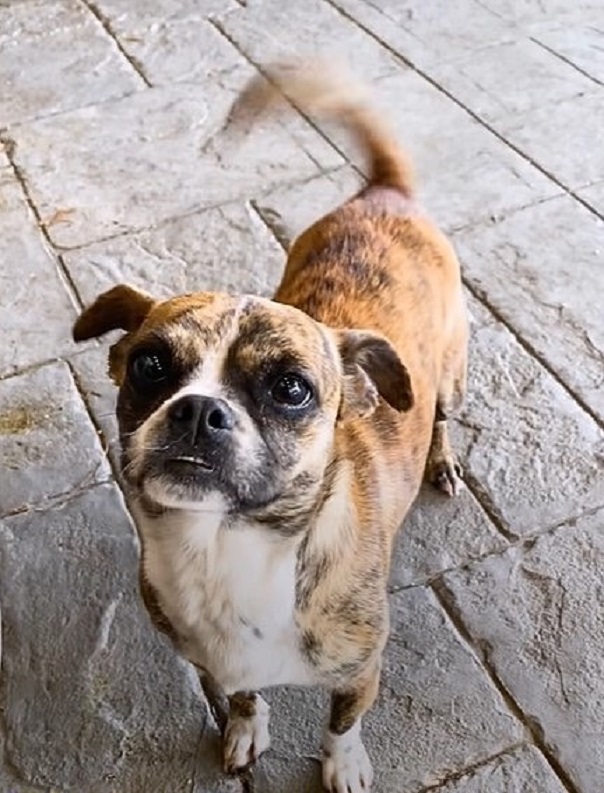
point(538, 611)
point(54, 56)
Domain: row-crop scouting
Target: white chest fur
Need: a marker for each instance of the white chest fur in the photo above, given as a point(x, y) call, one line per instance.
point(230, 593)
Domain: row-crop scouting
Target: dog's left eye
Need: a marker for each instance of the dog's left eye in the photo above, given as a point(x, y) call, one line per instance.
point(291, 390)
point(149, 368)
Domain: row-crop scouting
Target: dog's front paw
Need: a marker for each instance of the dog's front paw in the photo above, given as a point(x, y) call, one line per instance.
point(246, 737)
point(445, 474)
point(346, 764)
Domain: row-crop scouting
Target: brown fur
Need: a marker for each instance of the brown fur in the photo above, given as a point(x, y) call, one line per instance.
point(379, 266)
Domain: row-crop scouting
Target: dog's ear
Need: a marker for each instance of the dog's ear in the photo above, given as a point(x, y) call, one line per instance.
point(372, 369)
point(121, 308)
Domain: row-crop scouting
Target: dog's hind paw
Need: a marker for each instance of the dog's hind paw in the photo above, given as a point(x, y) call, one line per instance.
point(446, 475)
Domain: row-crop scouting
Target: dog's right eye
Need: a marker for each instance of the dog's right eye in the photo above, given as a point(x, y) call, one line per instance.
point(149, 368)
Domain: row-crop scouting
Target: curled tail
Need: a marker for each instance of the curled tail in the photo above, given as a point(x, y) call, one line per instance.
point(323, 91)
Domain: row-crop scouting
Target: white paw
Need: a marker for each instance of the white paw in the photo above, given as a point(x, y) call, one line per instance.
point(245, 739)
point(346, 764)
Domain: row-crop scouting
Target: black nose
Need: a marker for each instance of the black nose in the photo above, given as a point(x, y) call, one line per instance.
point(202, 417)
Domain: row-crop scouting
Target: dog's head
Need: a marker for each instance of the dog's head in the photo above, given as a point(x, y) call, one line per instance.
point(235, 397)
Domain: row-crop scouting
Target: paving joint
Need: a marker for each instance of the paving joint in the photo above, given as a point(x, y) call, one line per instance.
point(10, 147)
point(108, 28)
point(426, 76)
point(481, 652)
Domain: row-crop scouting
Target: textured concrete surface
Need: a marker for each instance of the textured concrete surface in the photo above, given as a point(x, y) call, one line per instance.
point(113, 168)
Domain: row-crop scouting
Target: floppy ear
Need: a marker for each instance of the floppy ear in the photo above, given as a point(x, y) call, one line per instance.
point(121, 307)
point(372, 369)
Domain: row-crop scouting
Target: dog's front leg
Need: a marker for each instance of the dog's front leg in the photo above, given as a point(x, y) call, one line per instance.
point(346, 764)
point(246, 735)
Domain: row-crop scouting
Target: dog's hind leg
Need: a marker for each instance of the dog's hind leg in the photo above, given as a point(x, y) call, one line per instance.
point(442, 468)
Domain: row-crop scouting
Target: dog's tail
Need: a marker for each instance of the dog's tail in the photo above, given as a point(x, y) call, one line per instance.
point(322, 90)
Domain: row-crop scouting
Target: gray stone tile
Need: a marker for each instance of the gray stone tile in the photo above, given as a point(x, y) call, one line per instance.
point(594, 195)
point(228, 248)
point(521, 771)
point(464, 173)
point(160, 143)
point(534, 453)
point(441, 533)
point(430, 33)
point(505, 81)
point(525, 12)
point(582, 44)
point(37, 312)
point(108, 705)
point(54, 56)
point(172, 41)
point(48, 445)
point(578, 130)
point(272, 30)
point(290, 210)
point(437, 717)
point(540, 268)
point(537, 611)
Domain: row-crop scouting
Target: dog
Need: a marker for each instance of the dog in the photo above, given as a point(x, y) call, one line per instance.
point(272, 448)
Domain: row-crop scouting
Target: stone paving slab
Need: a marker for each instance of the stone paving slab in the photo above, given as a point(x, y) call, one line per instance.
point(48, 445)
point(526, 12)
point(228, 248)
point(269, 30)
point(430, 33)
point(441, 533)
point(594, 196)
point(503, 82)
point(171, 41)
point(533, 452)
point(436, 711)
point(540, 268)
point(127, 717)
point(39, 325)
point(154, 141)
point(581, 43)
point(521, 771)
point(465, 175)
point(54, 56)
point(574, 119)
point(538, 614)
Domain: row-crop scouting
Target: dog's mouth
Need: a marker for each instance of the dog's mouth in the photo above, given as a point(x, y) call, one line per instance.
point(188, 464)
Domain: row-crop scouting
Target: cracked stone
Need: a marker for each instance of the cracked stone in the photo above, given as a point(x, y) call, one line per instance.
point(502, 82)
point(291, 210)
point(271, 30)
point(538, 612)
point(527, 12)
point(172, 41)
point(54, 56)
point(439, 716)
point(48, 444)
point(521, 771)
point(441, 533)
point(541, 272)
point(594, 195)
point(535, 454)
point(430, 33)
point(92, 698)
point(581, 43)
point(38, 326)
point(576, 121)
point(164, 142)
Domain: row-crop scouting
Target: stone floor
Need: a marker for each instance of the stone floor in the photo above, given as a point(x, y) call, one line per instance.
point(494, 675)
